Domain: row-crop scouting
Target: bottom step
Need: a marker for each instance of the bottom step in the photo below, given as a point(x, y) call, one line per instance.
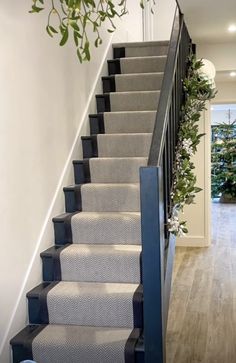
point(73, 344)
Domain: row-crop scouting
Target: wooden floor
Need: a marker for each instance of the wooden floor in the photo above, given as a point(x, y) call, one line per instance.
point(202, 318)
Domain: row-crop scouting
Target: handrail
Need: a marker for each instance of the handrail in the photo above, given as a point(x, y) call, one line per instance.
point(156, 180)
point(158, 138)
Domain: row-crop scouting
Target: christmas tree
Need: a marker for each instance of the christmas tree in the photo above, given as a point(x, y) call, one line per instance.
point(223, 159)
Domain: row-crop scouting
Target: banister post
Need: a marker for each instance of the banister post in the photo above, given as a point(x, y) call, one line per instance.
point(153, 245)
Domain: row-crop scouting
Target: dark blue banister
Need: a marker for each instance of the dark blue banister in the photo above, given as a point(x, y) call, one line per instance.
point(156, 180)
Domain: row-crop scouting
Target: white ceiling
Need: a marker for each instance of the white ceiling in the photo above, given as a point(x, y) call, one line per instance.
point(208, 20)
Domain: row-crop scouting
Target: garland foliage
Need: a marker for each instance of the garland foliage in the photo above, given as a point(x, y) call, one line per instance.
point(198, 89)
point(75, 17)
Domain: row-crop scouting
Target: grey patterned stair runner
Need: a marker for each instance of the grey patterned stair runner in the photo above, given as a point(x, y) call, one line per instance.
point(91, 310)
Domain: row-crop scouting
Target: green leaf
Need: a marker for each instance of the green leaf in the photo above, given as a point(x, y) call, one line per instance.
point(52, 29)
point(48, 31)
point(64, 37)
point(75, 26)
point(79, 55)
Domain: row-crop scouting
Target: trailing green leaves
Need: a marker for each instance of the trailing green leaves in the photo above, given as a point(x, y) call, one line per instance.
point(75, 17)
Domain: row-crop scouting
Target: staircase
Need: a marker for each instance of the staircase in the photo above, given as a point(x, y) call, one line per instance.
point(90, 307)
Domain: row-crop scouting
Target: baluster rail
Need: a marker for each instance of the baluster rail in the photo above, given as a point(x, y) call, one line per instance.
point(156, 181)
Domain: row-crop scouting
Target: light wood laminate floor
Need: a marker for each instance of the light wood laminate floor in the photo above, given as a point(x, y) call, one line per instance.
point(202, 317)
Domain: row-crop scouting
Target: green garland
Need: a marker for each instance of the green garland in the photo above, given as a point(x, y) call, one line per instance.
point(197, 90)
point(75, 17)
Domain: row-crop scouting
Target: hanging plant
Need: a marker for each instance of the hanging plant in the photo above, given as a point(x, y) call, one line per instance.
point(74, 17)
point(198, 90)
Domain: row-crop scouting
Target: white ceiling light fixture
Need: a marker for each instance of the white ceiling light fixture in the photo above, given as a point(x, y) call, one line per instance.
point(232, 74)
point(232, 28)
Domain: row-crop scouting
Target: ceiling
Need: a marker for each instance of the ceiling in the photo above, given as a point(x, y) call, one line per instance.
point(208, 20)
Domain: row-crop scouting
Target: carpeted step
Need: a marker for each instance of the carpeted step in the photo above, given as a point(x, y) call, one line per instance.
point(115, 170)
point(134, 101)
point(110, 197)
point(122, 122)
point(73, 344)
point(101, 263)
point(129, 122)
point(123, 145)
point(106, 228)
point(133, 82)
point(140, 49)
point(137, 65)
point(86, 303)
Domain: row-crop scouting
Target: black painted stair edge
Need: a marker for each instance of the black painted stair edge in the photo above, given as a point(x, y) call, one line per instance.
point(81, 171)
point(22, 344)
point(73, 199)
point(108, 84)
point(37, 303)
point(38, 309)
point(103, 102)
point(119, 52)
point(96, 123)
point(114, 66)
point(51, 263)
point(89, 146)
point(62, 228)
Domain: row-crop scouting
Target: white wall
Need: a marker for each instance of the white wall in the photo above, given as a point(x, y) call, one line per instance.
point(223, 55)
point(198, 215)
point(226, 92)
point(46, 96)
point(158, 26)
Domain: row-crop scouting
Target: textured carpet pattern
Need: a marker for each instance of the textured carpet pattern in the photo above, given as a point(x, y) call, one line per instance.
point(91, 311)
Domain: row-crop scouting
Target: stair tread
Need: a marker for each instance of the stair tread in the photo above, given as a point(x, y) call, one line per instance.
point(101, 263)
point(85, 344)
point(89, 303)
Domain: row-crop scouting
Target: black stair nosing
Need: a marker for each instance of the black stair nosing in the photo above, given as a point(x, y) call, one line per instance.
point(89, 146)
point(81, 171)
point(119, 52)
point(62, 228)
point(73, 199)
point(22, 342)
point(51, 263)
point(96, 122)
point(114, 66)
point(37, 303)
point(109, 84)
point(103, 102)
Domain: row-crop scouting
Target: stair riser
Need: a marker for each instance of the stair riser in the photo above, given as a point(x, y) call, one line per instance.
point(97, 170)
point(125, 83)
point(124, 228)
point(108, 147)
point(116, 170)
point(118, 146)
point(109, 265)
point(136, 65)
point(137, 51)
point(41, 305)
point(128, 101)
point(23, 347)
point(80, 198)
point(134, 101)
point(110, 199)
